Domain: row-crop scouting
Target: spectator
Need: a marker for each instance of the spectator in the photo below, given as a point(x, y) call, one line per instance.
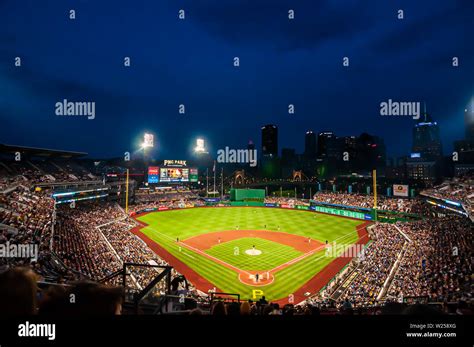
point(18, 292)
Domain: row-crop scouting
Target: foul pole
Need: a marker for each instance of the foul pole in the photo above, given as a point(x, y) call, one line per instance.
point(126, 194)
point(222, 183)
point(214, 191)
point(374, 180)
point(207, 182)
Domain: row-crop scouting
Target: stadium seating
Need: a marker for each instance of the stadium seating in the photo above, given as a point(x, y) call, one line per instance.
point(430, 258)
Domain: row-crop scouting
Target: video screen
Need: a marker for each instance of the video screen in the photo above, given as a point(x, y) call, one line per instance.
point(174, 175)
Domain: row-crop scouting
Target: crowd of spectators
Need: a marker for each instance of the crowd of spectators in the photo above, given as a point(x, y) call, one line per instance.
point(180, 203)
point(374, 267)
point(95, 240)
point(11, 182)
point(169, 195)
point(178, 197)
point(286, 201)
point(438, 260)
point(131, 249)
point(42, 172)
point(78, 243)
point(459, 189)
point(435, 264)
point(26, 218)
point(21, 294)
point(323, 308)
point(367, 201)
point(258, 308)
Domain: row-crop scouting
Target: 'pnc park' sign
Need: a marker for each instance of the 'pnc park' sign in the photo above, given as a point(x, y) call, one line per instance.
point(174, 163)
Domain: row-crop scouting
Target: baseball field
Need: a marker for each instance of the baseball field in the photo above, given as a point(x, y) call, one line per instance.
point(251, 251)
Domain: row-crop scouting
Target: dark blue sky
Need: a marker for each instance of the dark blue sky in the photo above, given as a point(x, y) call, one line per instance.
point(191, 62)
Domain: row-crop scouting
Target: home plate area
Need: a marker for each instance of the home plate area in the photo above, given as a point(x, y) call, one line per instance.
point(255, 255)
point(256, 279)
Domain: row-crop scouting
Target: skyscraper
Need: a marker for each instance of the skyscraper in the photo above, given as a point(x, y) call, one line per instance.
point(349, 144)
point(370, 152)
point(426, 138)
point(310, 145)
point(323, 140)
point(465, 148)
point(426, 160)
point(270, 140)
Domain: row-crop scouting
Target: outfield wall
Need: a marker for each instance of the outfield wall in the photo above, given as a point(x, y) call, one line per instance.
point(343, 213)
point(247, 203)
point(247, 194)
point(385, 216)
point(321, 209)
point(337, 210)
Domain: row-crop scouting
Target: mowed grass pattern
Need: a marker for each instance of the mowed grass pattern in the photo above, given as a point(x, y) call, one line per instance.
point(165, 227)
point(273, 253)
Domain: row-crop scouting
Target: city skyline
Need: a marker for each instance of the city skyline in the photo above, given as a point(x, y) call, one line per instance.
point(190, 62)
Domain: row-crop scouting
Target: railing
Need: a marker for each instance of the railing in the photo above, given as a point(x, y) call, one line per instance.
point(222, 296)
point(394, 269)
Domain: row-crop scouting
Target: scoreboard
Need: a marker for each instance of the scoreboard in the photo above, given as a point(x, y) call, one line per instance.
point(172, 174)
point(153, 174)
point(344, 213)
point(193, 175)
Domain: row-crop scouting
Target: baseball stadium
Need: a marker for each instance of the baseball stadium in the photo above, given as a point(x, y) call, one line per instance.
point(235, 171)
point(180, 237)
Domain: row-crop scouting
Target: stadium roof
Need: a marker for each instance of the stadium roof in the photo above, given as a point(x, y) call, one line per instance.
point(41, 152)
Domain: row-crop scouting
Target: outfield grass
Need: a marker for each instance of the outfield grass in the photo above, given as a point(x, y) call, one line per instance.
point(164, 227)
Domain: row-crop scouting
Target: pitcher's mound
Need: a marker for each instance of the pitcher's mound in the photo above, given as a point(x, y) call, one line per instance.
point(253, 252)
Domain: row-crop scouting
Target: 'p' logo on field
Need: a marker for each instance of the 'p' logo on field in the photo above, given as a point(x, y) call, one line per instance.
point(257, 293)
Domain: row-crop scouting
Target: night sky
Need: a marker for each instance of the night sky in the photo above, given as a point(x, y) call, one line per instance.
point(190, 62)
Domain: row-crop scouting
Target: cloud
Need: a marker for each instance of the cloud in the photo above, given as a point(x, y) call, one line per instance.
point(266, 22)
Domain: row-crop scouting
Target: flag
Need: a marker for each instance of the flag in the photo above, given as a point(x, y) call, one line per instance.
point(214, 167)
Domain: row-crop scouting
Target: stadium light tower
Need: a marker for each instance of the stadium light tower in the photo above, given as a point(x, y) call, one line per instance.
point(200, 146)
point(147, 141)
point(146, 146)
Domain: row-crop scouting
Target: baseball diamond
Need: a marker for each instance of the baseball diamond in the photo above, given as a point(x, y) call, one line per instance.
point(209, 246)
point(216, 171)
